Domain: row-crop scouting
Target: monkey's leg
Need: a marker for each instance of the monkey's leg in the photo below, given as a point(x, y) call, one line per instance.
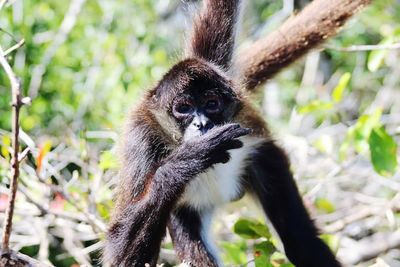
point(188, 230)
point(273, 184)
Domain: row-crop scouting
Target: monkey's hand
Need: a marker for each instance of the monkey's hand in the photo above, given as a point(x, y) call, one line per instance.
point(136, 231)
point(212, 147)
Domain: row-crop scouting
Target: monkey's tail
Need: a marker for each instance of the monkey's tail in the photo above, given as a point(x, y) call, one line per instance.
point(317, 22)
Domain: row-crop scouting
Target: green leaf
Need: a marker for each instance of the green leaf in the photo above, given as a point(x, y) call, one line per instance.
point(359, 133)
point(376, 57)
point(331, 240)
point(325, 205)
point(108, 161)
point(235, 252)
point(262, 253)
point(324, 144)
point(4, 148)
point(315, 105)
point(337, 94)
point(383, 151)
point(251, 229)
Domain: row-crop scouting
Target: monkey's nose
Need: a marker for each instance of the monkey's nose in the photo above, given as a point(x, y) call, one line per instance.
point(205, 128)
point(197, 124)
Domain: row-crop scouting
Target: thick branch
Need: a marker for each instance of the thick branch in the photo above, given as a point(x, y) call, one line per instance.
point(318, 21)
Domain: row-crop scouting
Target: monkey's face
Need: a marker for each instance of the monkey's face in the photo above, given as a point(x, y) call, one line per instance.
point(197, 96)
point(200, 109)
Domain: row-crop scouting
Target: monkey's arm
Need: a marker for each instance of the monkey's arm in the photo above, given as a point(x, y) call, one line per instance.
point(272, 183)
point(213, 36)
point(135, 235)
point(320, 20)
point(148, 191)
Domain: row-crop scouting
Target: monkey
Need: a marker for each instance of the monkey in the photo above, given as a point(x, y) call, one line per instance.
point(195, 143)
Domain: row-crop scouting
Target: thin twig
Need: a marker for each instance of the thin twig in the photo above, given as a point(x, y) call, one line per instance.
point(357, 48)
point(23, 155)
point(14, 47)
point(16, 106)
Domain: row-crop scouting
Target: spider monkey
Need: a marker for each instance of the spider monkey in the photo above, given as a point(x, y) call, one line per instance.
point(195, 143)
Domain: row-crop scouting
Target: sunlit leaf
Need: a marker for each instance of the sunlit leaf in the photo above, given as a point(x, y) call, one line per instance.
point(337, 94)
point(235, 252)
point(324, 144)
point(251, 229)
point(376, 57)
point(358, 134)
point(316, 105)
point(43, 150)
point(108, 161)
point(332, 241)
point(262, 253)
point(383, 149)
point(325, 205)
point(6, 141)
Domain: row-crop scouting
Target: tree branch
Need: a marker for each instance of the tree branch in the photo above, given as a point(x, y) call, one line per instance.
point(371, 248)
point(320, 20)
point(16, 103)
point(357, 48)
point(14, 47)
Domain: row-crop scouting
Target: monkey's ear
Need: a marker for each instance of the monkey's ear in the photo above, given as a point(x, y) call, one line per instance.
point(213, 36)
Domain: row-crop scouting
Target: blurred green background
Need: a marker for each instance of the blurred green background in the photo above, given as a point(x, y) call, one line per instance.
point(85, 63)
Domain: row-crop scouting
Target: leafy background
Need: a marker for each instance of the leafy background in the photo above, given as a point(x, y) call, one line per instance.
point(85, 63)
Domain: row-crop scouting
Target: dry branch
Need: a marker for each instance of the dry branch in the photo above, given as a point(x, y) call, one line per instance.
point(16, 259)
point(358, 215)
point(17, 103)
point(371, 247)
point(358, 48)
point(318, 21)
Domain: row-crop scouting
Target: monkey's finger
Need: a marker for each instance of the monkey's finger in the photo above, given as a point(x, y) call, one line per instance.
point(223, 157)
point(217, 134)
point(235, 133)
point(231, 144)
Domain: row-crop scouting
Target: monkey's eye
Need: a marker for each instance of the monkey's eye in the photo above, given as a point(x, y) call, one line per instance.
point(183, 108)
point(212, 105)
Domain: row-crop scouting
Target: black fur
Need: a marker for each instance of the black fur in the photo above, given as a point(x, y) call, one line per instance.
point(157, 162)
point(135, 235)
point(272, 183)
point(185, 229)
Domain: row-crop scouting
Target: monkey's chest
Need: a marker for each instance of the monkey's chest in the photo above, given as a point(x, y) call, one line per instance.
point(221, 183)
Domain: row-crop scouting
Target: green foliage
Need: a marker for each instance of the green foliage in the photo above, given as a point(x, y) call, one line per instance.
point(337, 94)
point(376, 58)
point(117, 50)
point(257, 239)
point(325, 205)
point(235, 252)
point(108, 161)
point(383, 151)
point(251, 229)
